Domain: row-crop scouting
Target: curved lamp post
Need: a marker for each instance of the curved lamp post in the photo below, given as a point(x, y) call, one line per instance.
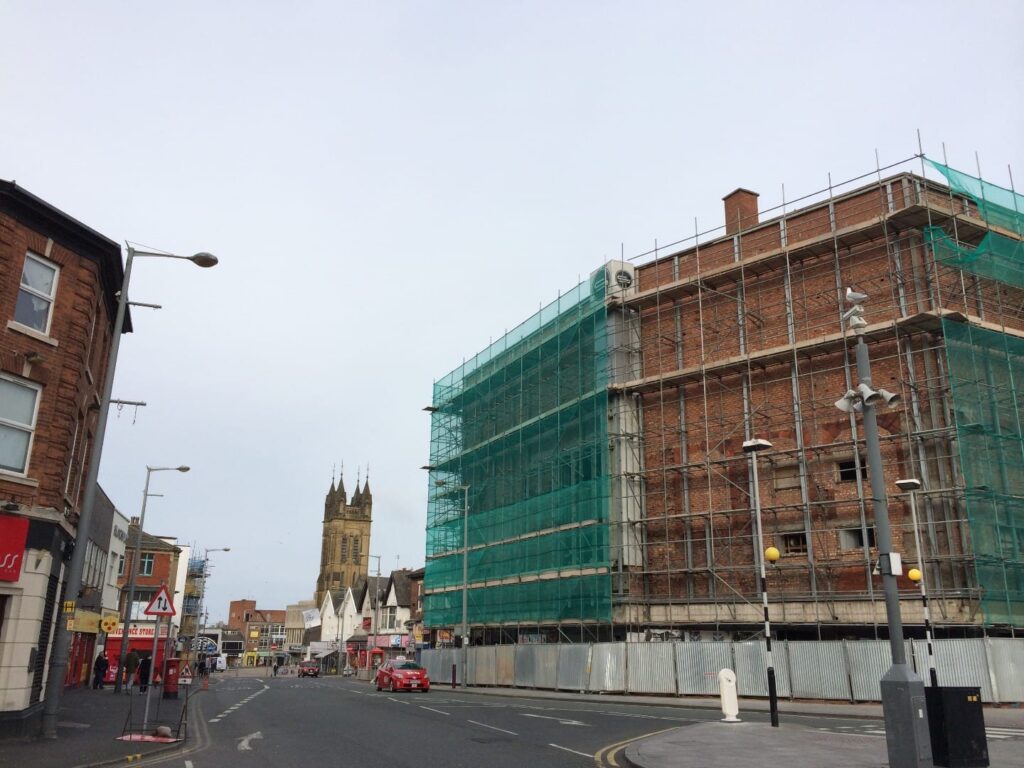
point(133, 573)
point(73, 580)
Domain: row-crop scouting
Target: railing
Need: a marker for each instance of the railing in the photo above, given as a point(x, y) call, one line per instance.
point(846, 670)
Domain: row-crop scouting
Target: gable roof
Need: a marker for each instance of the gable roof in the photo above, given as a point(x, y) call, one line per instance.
point(373, 586)
point(148, 543)
point(401, 583)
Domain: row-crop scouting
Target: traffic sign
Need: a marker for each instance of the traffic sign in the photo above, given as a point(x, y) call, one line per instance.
point(185, 676)
point(109, 623)
point(161, 604)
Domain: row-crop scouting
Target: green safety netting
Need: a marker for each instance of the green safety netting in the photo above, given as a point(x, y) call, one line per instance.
point(999, 206)
point(985, 369)
point(996, 256)
point(518, 437)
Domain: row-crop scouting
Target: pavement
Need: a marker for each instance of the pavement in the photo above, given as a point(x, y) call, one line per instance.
point(90, 722)
point(89, 725)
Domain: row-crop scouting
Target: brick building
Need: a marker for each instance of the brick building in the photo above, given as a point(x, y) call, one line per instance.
point(58, 283)
point(594, 454)
point(263, 632)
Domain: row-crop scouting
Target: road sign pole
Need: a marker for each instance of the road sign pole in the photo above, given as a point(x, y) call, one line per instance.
point(149, 677)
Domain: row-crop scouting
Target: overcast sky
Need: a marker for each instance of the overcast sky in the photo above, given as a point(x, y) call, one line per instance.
point(389, 186)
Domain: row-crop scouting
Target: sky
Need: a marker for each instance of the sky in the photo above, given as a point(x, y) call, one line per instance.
point(391, 186)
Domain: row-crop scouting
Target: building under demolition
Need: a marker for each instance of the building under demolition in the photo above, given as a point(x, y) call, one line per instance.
point(589, 464)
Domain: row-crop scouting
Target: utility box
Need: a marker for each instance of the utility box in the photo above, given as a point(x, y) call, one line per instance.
point(956, 721)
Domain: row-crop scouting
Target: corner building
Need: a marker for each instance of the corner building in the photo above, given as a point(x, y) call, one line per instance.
point(598, 447)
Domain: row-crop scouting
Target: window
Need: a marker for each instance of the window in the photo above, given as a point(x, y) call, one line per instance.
point(146, 564)
point(19, 404)
point(344, 549)
point(35, 299)
point(794, 544)
point(387, 617)
point(853, 538)
point(120, 565)
point(786, 477)
point(357, 550)
point(848, 470)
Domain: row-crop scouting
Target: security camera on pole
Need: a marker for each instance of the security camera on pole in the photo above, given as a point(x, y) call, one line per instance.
point(903, 700)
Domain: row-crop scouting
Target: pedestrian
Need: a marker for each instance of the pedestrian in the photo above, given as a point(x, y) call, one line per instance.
point(99, 671)
point(201, 668)
point(131, 664)
point(276, 665)
point(144, 667)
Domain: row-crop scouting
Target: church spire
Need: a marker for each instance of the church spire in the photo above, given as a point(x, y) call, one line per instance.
point(341, 485)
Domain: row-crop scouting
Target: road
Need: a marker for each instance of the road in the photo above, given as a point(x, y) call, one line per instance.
point(283, 722)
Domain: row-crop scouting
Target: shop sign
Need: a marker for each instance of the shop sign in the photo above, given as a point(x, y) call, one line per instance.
point(85, 621)
point(141, 631)
point(13, 534)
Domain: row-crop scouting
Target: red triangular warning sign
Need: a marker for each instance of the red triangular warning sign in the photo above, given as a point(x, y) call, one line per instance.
point(185, 676)
point(161, 604)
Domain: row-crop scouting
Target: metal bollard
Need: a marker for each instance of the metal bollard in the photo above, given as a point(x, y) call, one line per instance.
point(454, 672)
point(730, 702)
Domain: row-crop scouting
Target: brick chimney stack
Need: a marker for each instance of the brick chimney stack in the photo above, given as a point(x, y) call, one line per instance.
point(740, 210)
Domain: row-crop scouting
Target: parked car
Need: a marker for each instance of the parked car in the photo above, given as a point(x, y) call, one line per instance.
point(401, 675)
point(309, 669)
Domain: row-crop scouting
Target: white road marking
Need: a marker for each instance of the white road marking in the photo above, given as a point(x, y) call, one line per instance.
point(215, 720)
point(566, 749)
point(243, 743)
point(492, 727)
point(435, 710)
point(392, 698)
point(561, 720)
point(188, 764)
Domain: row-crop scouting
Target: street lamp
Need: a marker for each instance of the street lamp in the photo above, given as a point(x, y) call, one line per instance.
point(73, 581)
point(913, 485)
point(752, 447)
point(465, 576)
point(906, 728)
point(133, 573)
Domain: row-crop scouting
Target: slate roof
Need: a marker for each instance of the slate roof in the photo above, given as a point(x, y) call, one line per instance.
point(149, 542)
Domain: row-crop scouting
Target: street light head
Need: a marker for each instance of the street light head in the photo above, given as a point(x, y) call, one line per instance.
point(755, 445)
point(772, 554)
point(855, 297)
point(909, 484)
point(183, 468)
point(204, 259)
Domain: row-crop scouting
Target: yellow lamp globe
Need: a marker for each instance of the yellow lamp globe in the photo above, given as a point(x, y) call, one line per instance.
point(914, 575)
point(772, 554)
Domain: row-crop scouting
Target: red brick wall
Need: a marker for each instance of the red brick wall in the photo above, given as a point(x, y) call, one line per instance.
point(67, 389)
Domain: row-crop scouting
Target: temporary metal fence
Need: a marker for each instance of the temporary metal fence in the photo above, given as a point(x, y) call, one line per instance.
point(847, 670)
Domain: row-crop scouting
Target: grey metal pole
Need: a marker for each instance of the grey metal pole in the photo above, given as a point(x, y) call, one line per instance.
point(773, 696)
point(465, 584)
point(903, 703)
point(133, 573)
point(148, 682)
point(932, 674)
point(73, 580)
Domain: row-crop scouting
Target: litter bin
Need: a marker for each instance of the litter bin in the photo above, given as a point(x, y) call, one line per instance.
point(956, 721)
point(171, 679)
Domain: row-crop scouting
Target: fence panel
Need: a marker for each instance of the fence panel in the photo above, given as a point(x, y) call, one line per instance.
point(505, 665)
point(698, 665)
point(957, 662)
point(438, 663)
point(752, 669)
point(651, 667)
point(608, 667)
point(1006, 657)
point(482, 666)
point(546, 674)
point(869, 660)
point(818, 670)
point(573, 667)
point(526, 665)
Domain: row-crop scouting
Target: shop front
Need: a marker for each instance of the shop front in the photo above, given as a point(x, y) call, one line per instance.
point(140, 640)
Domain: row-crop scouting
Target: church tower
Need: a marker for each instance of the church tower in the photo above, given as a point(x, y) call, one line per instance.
point(346, 538)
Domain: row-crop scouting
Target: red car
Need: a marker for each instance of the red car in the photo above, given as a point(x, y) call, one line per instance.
point(401, 675)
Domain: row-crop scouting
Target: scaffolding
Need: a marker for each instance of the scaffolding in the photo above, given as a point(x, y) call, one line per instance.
point(598, 447)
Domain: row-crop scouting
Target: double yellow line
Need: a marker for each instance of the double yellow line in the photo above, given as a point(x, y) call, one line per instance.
point(606, 757)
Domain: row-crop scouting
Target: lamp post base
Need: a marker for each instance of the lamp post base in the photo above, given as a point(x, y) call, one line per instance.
point(906, 719)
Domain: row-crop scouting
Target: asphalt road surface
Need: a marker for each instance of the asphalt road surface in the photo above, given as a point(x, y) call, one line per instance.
point(283, 722)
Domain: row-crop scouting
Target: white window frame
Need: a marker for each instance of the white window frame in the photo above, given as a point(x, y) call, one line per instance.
point(33, 292)
point(144, 558)
point(30, 428)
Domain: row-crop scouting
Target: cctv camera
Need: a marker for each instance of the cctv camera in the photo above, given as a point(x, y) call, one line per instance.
point(855, 297)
